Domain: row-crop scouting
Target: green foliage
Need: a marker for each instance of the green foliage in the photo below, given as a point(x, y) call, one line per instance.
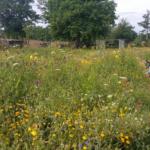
point(80, 21)
point(124, 31)
point(38, 33)
point(141, 40)
point(145, 24)
point(14, 15)
point(138, 41)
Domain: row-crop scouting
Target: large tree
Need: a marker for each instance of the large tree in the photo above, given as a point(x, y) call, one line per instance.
point(14, 15)
point(81, 21)
point(145, 24)
point(124, 30)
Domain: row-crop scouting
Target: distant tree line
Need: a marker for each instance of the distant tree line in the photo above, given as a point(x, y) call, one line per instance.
point(123, 30)
point(38, 33)
point(77, 21)
point(15, 15)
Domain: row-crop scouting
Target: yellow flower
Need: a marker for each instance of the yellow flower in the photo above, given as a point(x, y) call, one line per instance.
point(81, 126)
point(31, 57)
point(53, 135)
point(127, 137)
point(34, 133)
point(126, 108)
point(85, 62)
point(73, 128)
point(26, 111)
point(121, 135)
point(122, 140)
point(121, 114)
point(84, 137)
point(116, 56)
point(29, 129)
point(57, 114)
point(1, 110)
point(71, 135)
point(127, 142)
point(102, 135)
point(35, 58)
point(84, 148)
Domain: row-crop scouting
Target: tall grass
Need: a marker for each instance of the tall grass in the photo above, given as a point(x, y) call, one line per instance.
point(63, 99)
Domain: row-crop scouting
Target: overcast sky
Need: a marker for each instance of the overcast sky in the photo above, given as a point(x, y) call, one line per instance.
point(132, 10)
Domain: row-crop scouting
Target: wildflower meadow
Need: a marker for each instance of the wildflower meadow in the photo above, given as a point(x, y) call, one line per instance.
point(62, 99)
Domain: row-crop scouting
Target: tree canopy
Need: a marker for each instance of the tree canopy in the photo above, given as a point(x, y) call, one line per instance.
point(14, 15)
point(80, 21)
point(124, 31)
point(145, 24)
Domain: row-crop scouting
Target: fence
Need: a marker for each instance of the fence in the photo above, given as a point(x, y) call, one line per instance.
point(12, 42)
point(114, 43)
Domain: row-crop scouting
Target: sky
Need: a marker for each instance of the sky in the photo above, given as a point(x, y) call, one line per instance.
point(132, 10)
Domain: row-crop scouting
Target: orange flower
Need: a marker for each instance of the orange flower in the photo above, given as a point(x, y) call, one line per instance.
point(17, 113)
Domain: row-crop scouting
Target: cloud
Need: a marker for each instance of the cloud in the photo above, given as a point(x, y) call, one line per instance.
point(132, 11)
point(132, 5)
point(133, 18)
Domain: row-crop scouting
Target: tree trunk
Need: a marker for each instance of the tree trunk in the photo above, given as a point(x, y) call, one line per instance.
point(78, 43)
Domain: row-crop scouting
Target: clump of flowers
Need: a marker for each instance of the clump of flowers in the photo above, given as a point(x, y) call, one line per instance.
point(34, 57)
point(124, 139)
point(16, 115)
point(122, 112)
point(33, 132)
point(86, 62)
point(116, 54)
point(102, 135)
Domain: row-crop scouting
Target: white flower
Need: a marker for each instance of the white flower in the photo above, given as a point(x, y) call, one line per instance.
point(119, 82)
point(99, 96)
point(136, 118)
point(123, 78)
point(53, 52)
point(115, 74)
point(11, 57)
point(15, 64)
point(110, 96)
point(131, 90)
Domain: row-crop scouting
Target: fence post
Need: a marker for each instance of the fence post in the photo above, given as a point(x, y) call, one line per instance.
point(121, 44)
